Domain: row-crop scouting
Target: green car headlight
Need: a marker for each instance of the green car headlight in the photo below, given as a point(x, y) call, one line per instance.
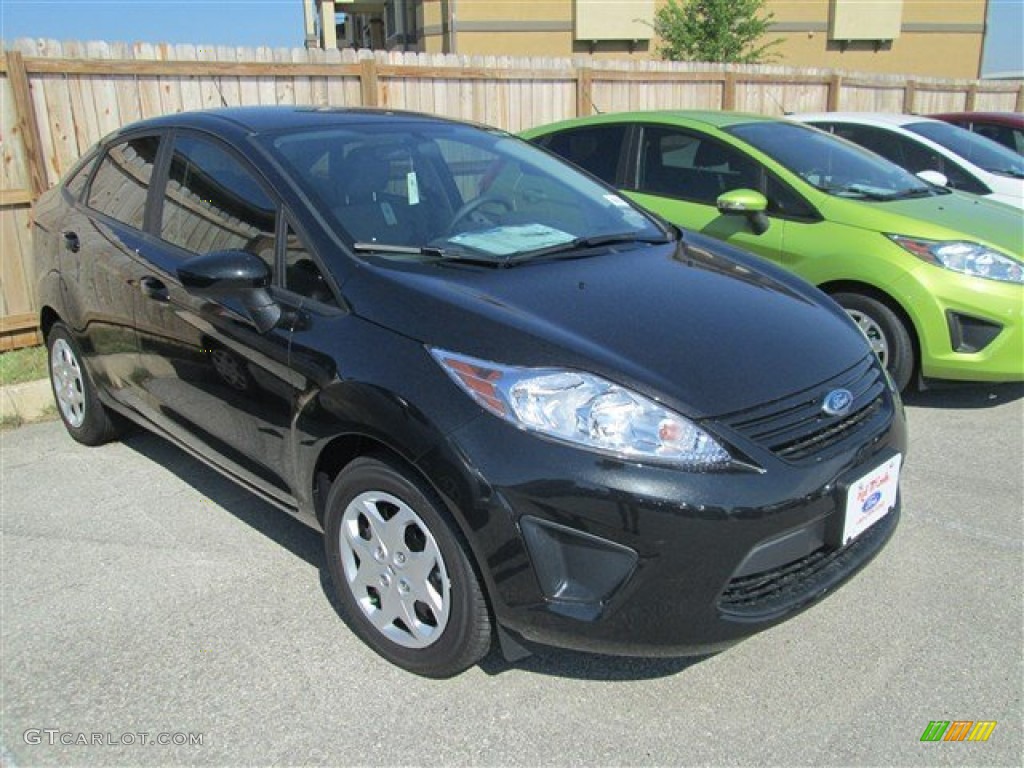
point(964, 257)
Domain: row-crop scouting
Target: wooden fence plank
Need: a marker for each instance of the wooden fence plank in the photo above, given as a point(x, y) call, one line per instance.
point(10, 197)
point(368, 82)
point(28, 127)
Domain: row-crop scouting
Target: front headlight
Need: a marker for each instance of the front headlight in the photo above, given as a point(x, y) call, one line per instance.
point(967, 258)
point(584, 410)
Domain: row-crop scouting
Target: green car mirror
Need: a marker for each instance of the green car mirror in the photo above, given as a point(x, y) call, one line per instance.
point(748, 202)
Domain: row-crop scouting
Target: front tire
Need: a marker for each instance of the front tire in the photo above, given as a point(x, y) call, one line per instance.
point(84, 416)
point(885, 332)
point(402, 572)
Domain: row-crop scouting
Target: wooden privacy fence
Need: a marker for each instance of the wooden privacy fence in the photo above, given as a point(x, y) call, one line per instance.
point(57, 99)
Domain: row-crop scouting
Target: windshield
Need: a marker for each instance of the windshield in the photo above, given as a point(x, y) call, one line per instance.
point(973, 148)
point(829, 163)
point(442, 189)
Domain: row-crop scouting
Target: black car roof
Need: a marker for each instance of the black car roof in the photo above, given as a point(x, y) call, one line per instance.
point(263, 119)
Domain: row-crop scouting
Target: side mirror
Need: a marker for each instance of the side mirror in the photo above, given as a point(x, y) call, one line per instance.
point(233, 275)
point(933, 177)
point(747, 202)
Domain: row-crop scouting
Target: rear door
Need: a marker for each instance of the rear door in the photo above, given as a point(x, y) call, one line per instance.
point(100, 262)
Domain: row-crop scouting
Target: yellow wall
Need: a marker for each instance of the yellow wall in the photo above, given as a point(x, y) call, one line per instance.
point(940, 52)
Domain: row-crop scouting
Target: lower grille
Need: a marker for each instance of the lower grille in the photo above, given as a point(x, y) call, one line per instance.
point(762, 595)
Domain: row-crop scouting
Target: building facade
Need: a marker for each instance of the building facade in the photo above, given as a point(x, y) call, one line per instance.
point(938, 38)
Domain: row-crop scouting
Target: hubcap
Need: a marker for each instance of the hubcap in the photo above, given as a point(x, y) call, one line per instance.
point(874, 334)
point(394, 569)
point(68, 386)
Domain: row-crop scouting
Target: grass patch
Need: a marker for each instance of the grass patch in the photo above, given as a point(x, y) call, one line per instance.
point(23, 365)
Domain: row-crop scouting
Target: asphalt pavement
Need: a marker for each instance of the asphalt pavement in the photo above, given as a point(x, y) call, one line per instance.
point(145, 599)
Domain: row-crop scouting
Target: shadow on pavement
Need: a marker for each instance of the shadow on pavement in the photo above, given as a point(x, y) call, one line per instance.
point(307, 544)
point(299, 539)
point(965, 396)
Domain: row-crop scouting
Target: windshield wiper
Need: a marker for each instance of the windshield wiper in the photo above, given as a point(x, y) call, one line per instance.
point(430, 251)
point(909, 192)
point(574, 247)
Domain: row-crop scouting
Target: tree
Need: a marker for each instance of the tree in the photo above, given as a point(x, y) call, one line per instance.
point(714, 30)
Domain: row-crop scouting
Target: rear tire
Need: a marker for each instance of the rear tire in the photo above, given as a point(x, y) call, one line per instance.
point(84, 416)
point(402, 572)
point(885, 331)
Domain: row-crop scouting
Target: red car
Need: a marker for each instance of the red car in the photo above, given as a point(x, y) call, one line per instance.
point(1006, 128)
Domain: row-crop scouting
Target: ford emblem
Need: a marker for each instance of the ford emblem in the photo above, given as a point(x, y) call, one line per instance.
point(837, 402)
point(871, 502)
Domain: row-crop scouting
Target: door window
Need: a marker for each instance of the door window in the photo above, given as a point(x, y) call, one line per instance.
point(596, 149)
point(213, 203)
point(121, 183)
point(301, 274)
point(674, 163)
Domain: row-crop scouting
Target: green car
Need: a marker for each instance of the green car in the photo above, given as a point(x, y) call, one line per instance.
point(934, 278)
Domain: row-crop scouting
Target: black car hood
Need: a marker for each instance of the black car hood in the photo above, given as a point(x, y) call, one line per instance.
point(698, 325)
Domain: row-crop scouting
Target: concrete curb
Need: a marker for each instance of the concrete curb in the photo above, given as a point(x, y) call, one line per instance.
point(27, 402)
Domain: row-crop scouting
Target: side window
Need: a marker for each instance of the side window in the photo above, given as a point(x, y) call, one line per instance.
point(213, 202)
point(1001, 134)
point(879, 141)
point(596, 149)
point(76, 184)
point(122, 180)
point(921, 158)
point(783, 201)
point(678, 164)
point(301, 274)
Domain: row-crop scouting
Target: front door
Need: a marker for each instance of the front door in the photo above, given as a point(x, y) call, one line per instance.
point(208, 376)
point(680, 175)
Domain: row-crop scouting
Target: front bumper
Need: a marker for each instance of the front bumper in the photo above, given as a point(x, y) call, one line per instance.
point(592, 553)
point(944, 305)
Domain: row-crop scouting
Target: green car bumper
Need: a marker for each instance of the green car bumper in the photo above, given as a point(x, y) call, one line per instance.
point(967, 335)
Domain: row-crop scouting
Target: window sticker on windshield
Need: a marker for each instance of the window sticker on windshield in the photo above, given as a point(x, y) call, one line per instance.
point(616, 200)
point(412, 187)
point(504, 241)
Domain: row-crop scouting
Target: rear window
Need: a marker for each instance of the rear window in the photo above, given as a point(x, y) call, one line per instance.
point(121, 184)
point(76, 182)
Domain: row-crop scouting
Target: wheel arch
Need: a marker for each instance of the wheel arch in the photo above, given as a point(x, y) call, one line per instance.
point(872, 291)
point(48, 316)
point(341, 450)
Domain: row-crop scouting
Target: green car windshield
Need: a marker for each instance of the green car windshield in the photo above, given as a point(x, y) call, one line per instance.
point(831, 164)
point(444, 190)
point(973, 148)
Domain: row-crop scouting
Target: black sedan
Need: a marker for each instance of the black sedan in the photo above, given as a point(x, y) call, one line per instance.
point(517, 406)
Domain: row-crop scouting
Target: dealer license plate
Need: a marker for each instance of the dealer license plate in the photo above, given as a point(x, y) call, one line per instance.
point(871, 498)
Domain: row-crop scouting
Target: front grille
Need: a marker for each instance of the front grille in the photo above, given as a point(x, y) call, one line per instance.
point(772, 592)
point(796, 428)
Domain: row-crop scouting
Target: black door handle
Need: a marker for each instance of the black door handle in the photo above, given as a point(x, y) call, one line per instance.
point(71, 241)
point(154, 289)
